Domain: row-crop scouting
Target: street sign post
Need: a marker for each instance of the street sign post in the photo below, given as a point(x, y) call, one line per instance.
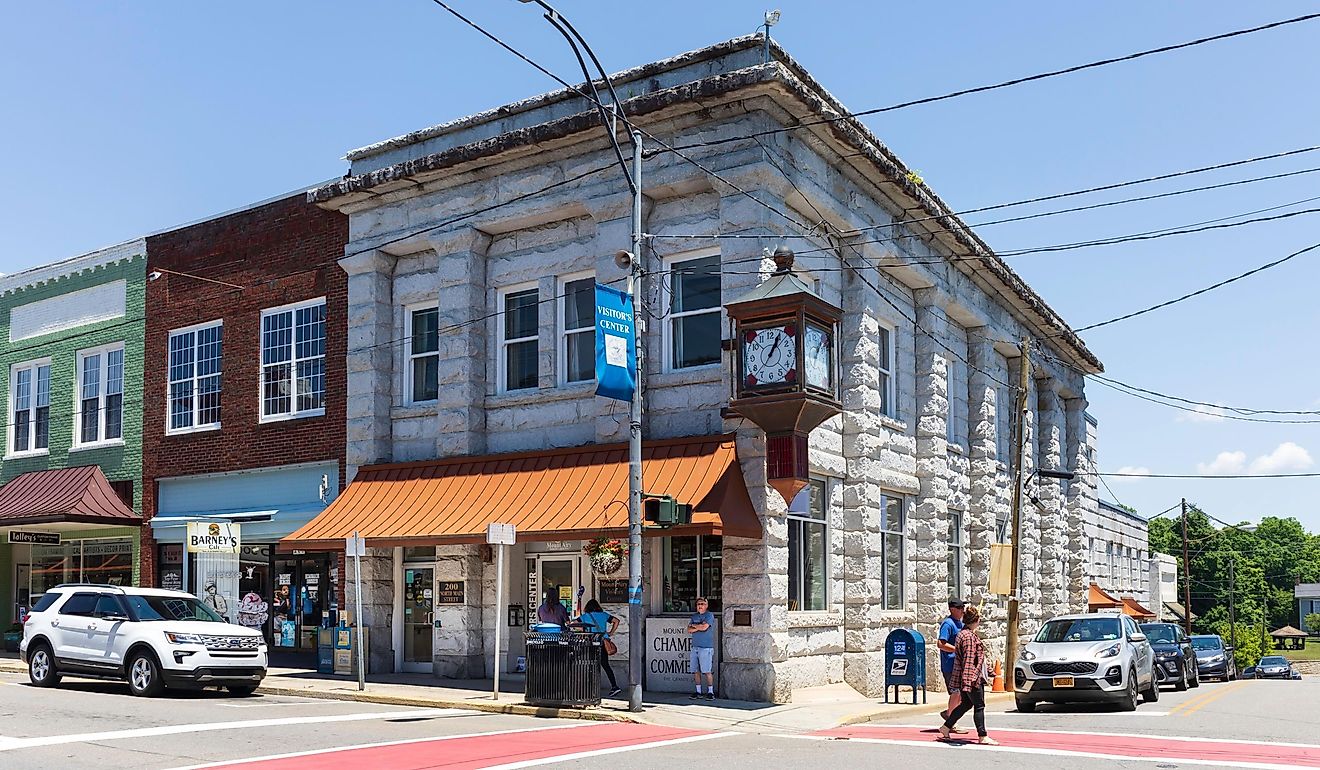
point(357, 548)
point(499, 535)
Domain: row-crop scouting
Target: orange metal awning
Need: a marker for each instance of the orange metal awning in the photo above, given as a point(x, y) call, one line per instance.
point(1098, 599)
point(1133, 607)
point(556, 494)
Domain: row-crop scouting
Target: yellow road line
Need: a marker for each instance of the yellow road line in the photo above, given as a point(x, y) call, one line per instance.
point(1196, 704)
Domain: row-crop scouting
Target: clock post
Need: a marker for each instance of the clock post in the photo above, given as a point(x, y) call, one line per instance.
point(786, 368)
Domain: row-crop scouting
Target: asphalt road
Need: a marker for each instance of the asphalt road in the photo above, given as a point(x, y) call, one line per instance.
point(99, 725)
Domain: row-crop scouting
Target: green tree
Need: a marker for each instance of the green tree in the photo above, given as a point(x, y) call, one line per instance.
point(1250, 647)
point(1312, 622)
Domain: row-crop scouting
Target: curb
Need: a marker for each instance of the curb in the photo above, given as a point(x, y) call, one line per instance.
point(520, 709)
point(923, 708)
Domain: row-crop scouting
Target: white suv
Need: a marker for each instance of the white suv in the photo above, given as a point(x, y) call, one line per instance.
point(151, 637)
point(1086, 658)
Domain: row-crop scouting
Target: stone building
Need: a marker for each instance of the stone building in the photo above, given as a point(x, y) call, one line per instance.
point(1118, 560)
point(244, 410)
point(472, 244)
point(71, 349)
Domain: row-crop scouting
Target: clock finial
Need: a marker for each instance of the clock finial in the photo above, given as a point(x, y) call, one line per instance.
point(783, 258)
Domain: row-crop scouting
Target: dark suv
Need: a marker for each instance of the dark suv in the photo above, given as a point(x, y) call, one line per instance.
point(1213, 657)
point(1175, 660)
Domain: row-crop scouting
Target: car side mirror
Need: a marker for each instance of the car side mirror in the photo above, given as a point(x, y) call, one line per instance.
point(1137, 638)
point(1229, 649)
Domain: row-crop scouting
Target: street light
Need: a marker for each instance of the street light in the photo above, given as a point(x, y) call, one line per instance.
point(632, 262)
point(771, 19)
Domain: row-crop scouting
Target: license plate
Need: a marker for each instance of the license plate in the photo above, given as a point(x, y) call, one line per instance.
point(1063, 681)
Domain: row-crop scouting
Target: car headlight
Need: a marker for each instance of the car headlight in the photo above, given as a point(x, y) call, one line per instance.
point(1165, 655)
point(1028, 655)
point(182, 638)
point(1214, 658)
point(1112, 650)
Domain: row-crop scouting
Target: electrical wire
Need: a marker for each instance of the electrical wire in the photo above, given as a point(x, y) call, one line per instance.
point(1208, 476)
point(852, 116)
point(1236, 417)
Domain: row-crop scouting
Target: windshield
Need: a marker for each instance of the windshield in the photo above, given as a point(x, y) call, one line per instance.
point(1159, 632)
point(1079, 630)
point(172, 608)
point(1274, 660)
point(1206, 643)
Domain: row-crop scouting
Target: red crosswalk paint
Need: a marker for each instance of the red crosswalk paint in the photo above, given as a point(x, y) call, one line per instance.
point(478, 751)
point(1118, 746)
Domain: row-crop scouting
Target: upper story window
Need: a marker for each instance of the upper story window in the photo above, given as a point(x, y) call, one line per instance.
point(100, 395)
point(293, 360)
point(694, 312)
point(519, 331)
point(195, 363)
point(955, 557)
point(423, 355)
point(893, 520)
point(577, 324)
point(885, 343)
point(29, 406)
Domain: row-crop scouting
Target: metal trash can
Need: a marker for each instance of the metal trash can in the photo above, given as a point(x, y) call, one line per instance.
point(563, 668)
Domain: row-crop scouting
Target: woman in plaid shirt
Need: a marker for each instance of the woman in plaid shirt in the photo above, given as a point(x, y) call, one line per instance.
point(969, 675)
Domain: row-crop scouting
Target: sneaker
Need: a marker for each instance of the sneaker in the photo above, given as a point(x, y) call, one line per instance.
point(615, 692)
point(696, 696)
point(710, 696)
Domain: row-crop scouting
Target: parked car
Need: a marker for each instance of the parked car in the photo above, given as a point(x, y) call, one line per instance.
point(1086, 658)
point(154, 639)
point(1295, 673)
point(1175, 660)
point(1249, 672)
point(1213, 657)
point(1273, 667)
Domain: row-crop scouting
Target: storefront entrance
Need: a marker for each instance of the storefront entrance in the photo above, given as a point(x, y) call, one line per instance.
point(418, 618)
point(558, 577)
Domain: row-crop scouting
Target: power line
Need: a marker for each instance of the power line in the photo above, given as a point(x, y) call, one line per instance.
point(1208, 476)
point(1237, 417)
point(1238, 409)
point(1005, 84)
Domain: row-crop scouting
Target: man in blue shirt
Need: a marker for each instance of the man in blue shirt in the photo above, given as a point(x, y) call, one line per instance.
point(948, 632)
point(701, 658)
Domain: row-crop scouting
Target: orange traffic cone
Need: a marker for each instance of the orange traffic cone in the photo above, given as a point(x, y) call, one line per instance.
point(998, 684)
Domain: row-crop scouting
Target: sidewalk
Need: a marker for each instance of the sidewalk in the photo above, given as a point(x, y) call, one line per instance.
point(813, 708)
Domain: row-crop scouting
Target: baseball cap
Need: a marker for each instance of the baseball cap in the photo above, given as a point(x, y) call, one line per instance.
point(957, 604)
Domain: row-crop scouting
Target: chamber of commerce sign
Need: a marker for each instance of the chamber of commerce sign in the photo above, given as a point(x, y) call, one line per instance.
point(212, 537)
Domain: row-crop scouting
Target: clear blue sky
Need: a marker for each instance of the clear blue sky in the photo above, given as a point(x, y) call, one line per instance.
point(128, 117)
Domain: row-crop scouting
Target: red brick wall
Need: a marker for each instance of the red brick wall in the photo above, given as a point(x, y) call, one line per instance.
point(282, 252)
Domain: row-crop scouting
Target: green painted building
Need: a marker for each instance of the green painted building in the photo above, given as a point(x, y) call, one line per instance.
point(71, 346)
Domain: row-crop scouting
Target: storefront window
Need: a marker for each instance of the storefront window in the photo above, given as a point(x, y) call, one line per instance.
point(108, 560)
point(808, 538)
point(692, 568)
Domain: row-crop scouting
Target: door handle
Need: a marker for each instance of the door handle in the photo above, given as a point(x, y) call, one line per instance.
point(55, 624)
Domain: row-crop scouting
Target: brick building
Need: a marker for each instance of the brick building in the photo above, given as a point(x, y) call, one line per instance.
point(474, 248)
point(71, 338)
point(244, 408)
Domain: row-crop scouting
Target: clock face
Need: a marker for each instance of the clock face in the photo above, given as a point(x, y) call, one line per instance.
point(769, 356)
point(818, 358)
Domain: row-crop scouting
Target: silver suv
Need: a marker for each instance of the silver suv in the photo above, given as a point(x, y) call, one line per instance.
point(150, 637)
point(1086, 658)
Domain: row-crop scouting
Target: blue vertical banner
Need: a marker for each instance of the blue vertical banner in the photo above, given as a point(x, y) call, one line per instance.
point(616, 344)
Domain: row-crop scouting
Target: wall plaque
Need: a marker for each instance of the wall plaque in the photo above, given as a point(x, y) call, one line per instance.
point(449, 592)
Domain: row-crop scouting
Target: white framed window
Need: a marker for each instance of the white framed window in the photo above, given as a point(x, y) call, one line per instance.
point(893, 518)
point(423, 346)
point(577, 328)
point(885, 342)
point(293, 360)
point(808, 548)
point(195, 362)
point(100, 404)
point(955, 553)
point(29, 407)
point(692, 330)
point(519, 332)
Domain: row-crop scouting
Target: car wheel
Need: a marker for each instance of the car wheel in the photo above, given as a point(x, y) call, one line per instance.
point(1025, 706)
point(1196, 677)
point(1152, 694)
point(1181, 684)
point(144, 677)
point(41, 667)
point(1129, 702)
point(241, 690)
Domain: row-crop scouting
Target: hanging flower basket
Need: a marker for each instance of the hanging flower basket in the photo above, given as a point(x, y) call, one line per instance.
point(606, 554)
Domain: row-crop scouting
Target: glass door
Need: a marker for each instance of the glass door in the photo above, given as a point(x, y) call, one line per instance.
point(418, 617)
point(558, 577)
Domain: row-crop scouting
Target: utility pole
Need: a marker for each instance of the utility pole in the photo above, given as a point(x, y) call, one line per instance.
point(1232, 600)
point(1187, 576)
point(1019, 441)
point(636, 634)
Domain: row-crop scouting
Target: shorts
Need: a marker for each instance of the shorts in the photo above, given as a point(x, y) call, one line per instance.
point(702, 660)
point(948, 680)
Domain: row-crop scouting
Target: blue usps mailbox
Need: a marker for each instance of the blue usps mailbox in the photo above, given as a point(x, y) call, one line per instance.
point(905, 663)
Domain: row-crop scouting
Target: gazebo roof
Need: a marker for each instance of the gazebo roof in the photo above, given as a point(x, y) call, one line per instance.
point(1288, 632)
